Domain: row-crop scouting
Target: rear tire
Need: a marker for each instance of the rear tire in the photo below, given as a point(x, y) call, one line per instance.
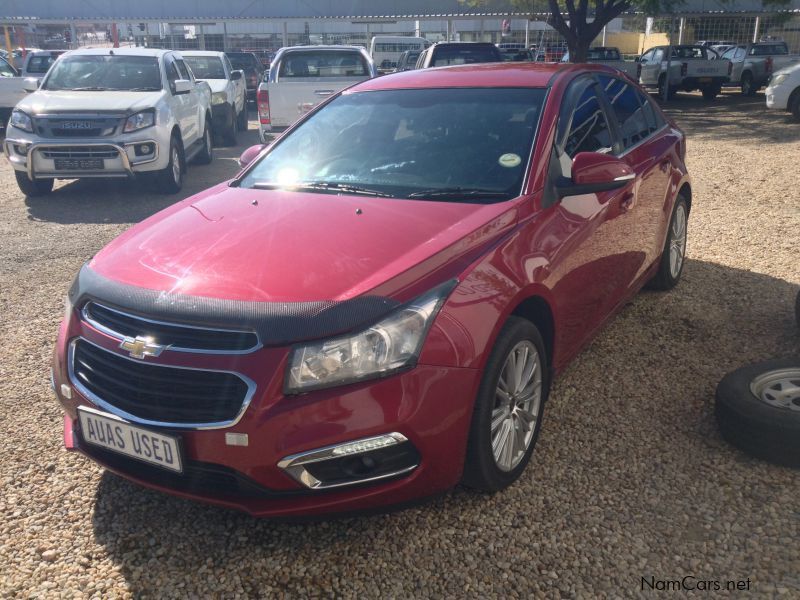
point(673, 257)
point(170, 179)
point(501, 419)
point(747, 85)
point(37, 187)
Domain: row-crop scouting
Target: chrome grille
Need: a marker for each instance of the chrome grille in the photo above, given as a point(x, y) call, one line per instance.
point(176, 336)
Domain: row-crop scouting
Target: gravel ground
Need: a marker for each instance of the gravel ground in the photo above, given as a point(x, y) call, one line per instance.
point(630, 480)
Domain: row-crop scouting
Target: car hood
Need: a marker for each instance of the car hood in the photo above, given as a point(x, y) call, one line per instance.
point(282, 246)
point(216, 85)
point(49, 102)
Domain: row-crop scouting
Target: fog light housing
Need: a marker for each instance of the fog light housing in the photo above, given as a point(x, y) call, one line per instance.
point(351, 463)
point(144, 149)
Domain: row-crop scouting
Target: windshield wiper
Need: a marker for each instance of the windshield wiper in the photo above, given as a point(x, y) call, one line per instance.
point(458, 193)
point(325, 186)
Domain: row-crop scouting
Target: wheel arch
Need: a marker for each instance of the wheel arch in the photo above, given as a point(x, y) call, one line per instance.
point(537, 310)
point(792, 97)
point(686, 191)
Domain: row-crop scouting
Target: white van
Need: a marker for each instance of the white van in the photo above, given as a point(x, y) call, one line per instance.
point(385, 50)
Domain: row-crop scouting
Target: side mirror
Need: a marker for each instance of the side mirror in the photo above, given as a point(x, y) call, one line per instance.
point(236, 75)
point(183, 86)
point(594, 172)
point(249, 155)
point(31, 84)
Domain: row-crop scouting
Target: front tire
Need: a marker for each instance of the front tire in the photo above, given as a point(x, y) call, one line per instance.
point(37, 187)
point(508, 408)
point(229, 136)
point(794, 105)
point(747, 85)
point(243, 123)
point(206, 155)
point(170, 179)
point(673, 256)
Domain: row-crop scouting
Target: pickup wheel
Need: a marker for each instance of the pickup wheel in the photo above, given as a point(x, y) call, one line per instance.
point(673, 91)
point(206, 155)
point(170, 179)
point(229, 136)
point(748, 86)
point(37, 187)
point(709, 93)
point(243, 118)
point(794, 105)
point(673, 256)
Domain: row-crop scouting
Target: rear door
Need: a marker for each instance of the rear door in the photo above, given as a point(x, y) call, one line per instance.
point(651, 66)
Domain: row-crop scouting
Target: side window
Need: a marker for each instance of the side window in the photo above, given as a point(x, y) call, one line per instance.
point(172, 73)
point(658, 55)
point(729, 53)
point(588, 130)
point(740, 52)
point(183, 70)
point(646, 57)
point(653, 117)
point(628, 109)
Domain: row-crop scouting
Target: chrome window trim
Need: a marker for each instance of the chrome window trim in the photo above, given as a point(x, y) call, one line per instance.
point(118, 336)
point(294, 465)
point(97, 401)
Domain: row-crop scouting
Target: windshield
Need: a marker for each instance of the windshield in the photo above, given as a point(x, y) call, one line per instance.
point(468, 144)
point(92, 72)
point(464, 54)
point(242, 60)
point(322, 63)
point(205, 67)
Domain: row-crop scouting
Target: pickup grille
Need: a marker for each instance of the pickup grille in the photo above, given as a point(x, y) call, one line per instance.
point(175, 335)
point(76, 152)
point(76, 127)
point(160, 394)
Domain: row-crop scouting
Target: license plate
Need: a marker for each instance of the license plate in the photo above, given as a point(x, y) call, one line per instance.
point(705, 80)
point(115, 434)
point(79, 164)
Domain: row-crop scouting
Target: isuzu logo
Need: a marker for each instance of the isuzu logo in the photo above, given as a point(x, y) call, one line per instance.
point(141, 347)
point(76, 125)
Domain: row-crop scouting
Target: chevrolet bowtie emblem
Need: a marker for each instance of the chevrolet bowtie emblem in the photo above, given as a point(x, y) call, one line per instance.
point(140, 347)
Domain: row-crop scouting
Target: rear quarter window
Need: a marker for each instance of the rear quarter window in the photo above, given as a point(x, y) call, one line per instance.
point(323, 64)
point(40, 64)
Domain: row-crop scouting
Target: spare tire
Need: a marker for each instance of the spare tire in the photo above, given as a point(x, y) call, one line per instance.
point(758, 410)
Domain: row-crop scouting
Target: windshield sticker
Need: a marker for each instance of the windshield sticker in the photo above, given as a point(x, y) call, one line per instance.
point(509, 160)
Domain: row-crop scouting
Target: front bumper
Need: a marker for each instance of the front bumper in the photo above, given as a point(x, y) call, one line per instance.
point(119, 158)
point(778, 97)
point(430, 406)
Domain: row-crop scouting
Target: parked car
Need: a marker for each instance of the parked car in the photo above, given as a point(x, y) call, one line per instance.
point(252, 68)
point(611, 57)
point(228, 94)
point(36, 63)
point(408, 60)
point(712, 43)
point(110, 112)
point(374, 308)
point(303, 76)
point(517, 55)
point(443, 54)
point(783, 91)
point(753, 64)
point(691, 68)
point(264, 56)
point(12, 89)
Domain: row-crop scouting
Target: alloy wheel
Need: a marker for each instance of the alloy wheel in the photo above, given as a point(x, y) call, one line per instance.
point(780, 388)
point(677, 241)
point(518, 398)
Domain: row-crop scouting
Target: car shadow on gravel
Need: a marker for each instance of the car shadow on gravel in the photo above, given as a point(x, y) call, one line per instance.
point(130, 201)
point(732, 116)
point(717, 319)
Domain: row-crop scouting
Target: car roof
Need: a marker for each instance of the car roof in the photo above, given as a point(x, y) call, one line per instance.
point(200, 53)
point(120, 51)
point(525, 74)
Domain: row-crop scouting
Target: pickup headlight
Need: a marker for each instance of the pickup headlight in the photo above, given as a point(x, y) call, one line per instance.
point(21, 120)
point(389, 346)
point(219, 98)
point(778, 79)
point(141, 120)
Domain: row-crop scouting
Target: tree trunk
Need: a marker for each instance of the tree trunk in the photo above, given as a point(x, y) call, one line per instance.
point(578, 32)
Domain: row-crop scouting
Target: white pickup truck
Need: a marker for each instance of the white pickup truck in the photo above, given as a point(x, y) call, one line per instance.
point(110, 113)
point(228, 91)
point(611, 57)
point(753, 64)
point(301, 77)
point(691, 68)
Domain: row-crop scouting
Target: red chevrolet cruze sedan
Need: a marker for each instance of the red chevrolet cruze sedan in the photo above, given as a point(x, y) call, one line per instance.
point(372, 311)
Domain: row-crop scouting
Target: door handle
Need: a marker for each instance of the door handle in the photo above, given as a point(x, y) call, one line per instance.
point(627, 201)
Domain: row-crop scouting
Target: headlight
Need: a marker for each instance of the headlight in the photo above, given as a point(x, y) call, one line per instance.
point(21, 121)
point(219, 98)
point(388, 346)
point(146, 118)
point(778, 79)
